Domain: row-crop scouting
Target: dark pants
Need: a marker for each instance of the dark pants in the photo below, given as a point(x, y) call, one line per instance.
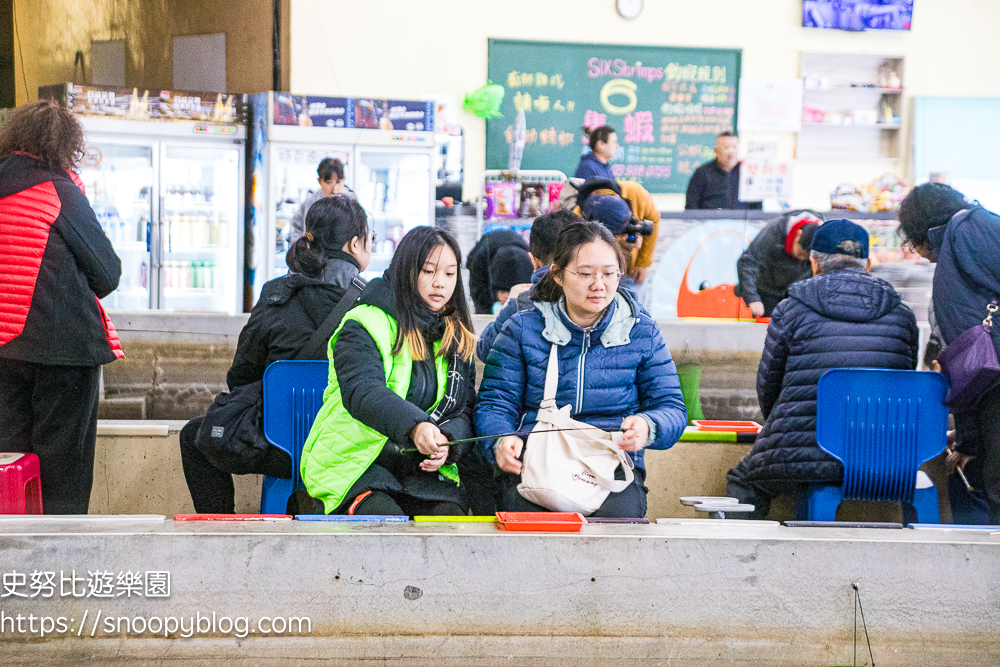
point(212, 489)
point(627, 504)
point(987, 415)
point(51, 411)
point(381, 503)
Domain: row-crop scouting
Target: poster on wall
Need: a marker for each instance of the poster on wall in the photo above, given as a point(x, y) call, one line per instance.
point(136, 104)
point(350, 112)
point(771, 105)
point(666, 105)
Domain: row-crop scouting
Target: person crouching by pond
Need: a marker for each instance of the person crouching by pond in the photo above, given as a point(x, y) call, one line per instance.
point(614, 368)
point(401, 378)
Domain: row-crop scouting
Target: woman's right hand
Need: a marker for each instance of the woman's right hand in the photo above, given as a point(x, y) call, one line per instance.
point(508, 452)
point(428, 438)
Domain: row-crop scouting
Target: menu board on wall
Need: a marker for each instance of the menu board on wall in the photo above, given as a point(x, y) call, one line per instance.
point(666, 104)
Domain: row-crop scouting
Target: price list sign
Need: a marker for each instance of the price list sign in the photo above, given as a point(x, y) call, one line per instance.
point(666, 105)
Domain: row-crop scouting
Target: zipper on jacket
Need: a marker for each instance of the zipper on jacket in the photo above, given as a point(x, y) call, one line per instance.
point(579, 371)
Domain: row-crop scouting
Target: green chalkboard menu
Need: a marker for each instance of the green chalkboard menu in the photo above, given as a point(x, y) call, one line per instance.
point(665, 103)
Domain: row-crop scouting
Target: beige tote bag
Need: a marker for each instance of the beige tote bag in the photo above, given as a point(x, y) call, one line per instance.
point(569, 472)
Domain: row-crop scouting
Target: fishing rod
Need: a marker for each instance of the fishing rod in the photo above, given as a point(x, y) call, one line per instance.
point(506, 435)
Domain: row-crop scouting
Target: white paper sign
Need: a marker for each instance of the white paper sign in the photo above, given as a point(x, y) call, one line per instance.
point(765, 179)
point(766, 149)
point(773, 105)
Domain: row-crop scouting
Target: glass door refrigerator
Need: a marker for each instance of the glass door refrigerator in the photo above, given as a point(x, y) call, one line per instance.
point(168, 191)
point(386, 147)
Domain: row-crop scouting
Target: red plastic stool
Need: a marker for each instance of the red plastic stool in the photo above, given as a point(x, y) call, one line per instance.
point(20, 484)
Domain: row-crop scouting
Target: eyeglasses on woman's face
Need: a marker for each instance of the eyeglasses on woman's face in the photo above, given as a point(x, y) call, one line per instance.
point(588, 278)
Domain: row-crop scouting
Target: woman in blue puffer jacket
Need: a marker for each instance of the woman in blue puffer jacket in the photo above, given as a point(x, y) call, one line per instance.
point(614, 368)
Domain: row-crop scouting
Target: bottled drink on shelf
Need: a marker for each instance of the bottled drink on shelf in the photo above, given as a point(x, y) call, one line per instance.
point(223, 231)
point(144, 275)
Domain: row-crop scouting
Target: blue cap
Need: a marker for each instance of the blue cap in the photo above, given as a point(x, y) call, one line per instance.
point(841, 237)
point(610, 210)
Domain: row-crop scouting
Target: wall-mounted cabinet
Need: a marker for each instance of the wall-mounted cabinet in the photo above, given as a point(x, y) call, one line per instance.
point(851, 107)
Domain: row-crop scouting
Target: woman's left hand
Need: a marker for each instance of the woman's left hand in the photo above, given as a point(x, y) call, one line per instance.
point(636, 433)
point(434, 461)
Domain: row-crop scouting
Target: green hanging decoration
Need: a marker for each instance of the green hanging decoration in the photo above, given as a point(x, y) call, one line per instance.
point(485, 101)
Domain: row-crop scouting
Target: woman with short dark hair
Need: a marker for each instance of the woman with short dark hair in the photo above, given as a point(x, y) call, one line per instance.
point(615, 370)
point(401, 379)
point(963, 239)
point(330, 176)
point(322, 265)
point(55, 263)
point(603, 145)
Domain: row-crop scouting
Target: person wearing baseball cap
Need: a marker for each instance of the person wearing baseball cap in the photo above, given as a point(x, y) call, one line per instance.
point(777, 257)
point(842, 317)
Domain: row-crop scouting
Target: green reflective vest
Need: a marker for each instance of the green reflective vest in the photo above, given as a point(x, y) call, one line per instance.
point(339, 447)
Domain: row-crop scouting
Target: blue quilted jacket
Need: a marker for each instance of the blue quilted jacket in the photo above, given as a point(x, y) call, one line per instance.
point(618, 368)
point(846, 319)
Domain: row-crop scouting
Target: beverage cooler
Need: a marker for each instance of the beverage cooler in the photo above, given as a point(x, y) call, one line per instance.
point(386, 147)
point(168, 191)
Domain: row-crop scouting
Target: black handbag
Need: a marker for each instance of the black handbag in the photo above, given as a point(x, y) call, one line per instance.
point(231, 435)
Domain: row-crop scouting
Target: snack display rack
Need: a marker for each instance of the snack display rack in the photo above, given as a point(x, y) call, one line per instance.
point(517, 218)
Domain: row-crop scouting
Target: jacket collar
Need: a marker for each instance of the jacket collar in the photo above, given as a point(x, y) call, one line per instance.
point(341, 268)
point(539, 273)
point(614, 329)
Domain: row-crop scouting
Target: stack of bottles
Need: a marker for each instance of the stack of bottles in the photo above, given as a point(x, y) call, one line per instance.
point(187, 274)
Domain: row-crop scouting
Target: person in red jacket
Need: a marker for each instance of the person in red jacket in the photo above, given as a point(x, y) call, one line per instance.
point(55, 263)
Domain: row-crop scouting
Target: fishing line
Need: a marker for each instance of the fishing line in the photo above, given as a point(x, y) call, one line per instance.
point(857, 605)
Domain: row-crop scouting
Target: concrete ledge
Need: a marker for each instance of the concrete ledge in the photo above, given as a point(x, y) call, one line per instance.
point(476, 595)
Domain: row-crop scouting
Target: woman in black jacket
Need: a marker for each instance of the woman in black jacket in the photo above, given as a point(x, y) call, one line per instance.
point(403, 387)
point(55, 261)
point(335, 248)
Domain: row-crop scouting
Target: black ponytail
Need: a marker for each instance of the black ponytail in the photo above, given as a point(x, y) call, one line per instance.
point(330, 224)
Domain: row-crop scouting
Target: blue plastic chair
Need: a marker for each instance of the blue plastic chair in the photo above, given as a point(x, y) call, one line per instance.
point(293, 394)
point(882, 425)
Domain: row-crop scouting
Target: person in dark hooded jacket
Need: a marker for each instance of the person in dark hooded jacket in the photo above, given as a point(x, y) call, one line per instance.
point(335, 248)
point(777, 257)
point(402, 387)
point(843, 317)
point(478, 262)
point(963, 239)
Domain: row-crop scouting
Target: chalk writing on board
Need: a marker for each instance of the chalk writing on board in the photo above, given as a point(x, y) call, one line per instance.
point(657, 99)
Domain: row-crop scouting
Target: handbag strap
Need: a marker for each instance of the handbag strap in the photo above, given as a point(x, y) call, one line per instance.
point(551, 379)
point(316, 344)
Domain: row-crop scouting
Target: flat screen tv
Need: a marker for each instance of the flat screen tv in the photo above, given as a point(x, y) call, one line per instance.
point(857, 16)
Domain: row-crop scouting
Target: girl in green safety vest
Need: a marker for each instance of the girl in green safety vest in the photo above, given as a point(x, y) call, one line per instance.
point(401, 378)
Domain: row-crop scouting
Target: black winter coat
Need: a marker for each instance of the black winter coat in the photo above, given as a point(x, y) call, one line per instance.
point(847, 319)
point(478, 262)
point(287, 314)
point(765, 270)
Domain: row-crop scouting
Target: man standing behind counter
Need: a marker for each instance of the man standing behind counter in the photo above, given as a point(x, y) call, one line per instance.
point(716, 184)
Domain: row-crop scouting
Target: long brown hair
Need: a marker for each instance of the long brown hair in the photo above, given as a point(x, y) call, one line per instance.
point(46, 131)
point(404, 272)
point(567, 246)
